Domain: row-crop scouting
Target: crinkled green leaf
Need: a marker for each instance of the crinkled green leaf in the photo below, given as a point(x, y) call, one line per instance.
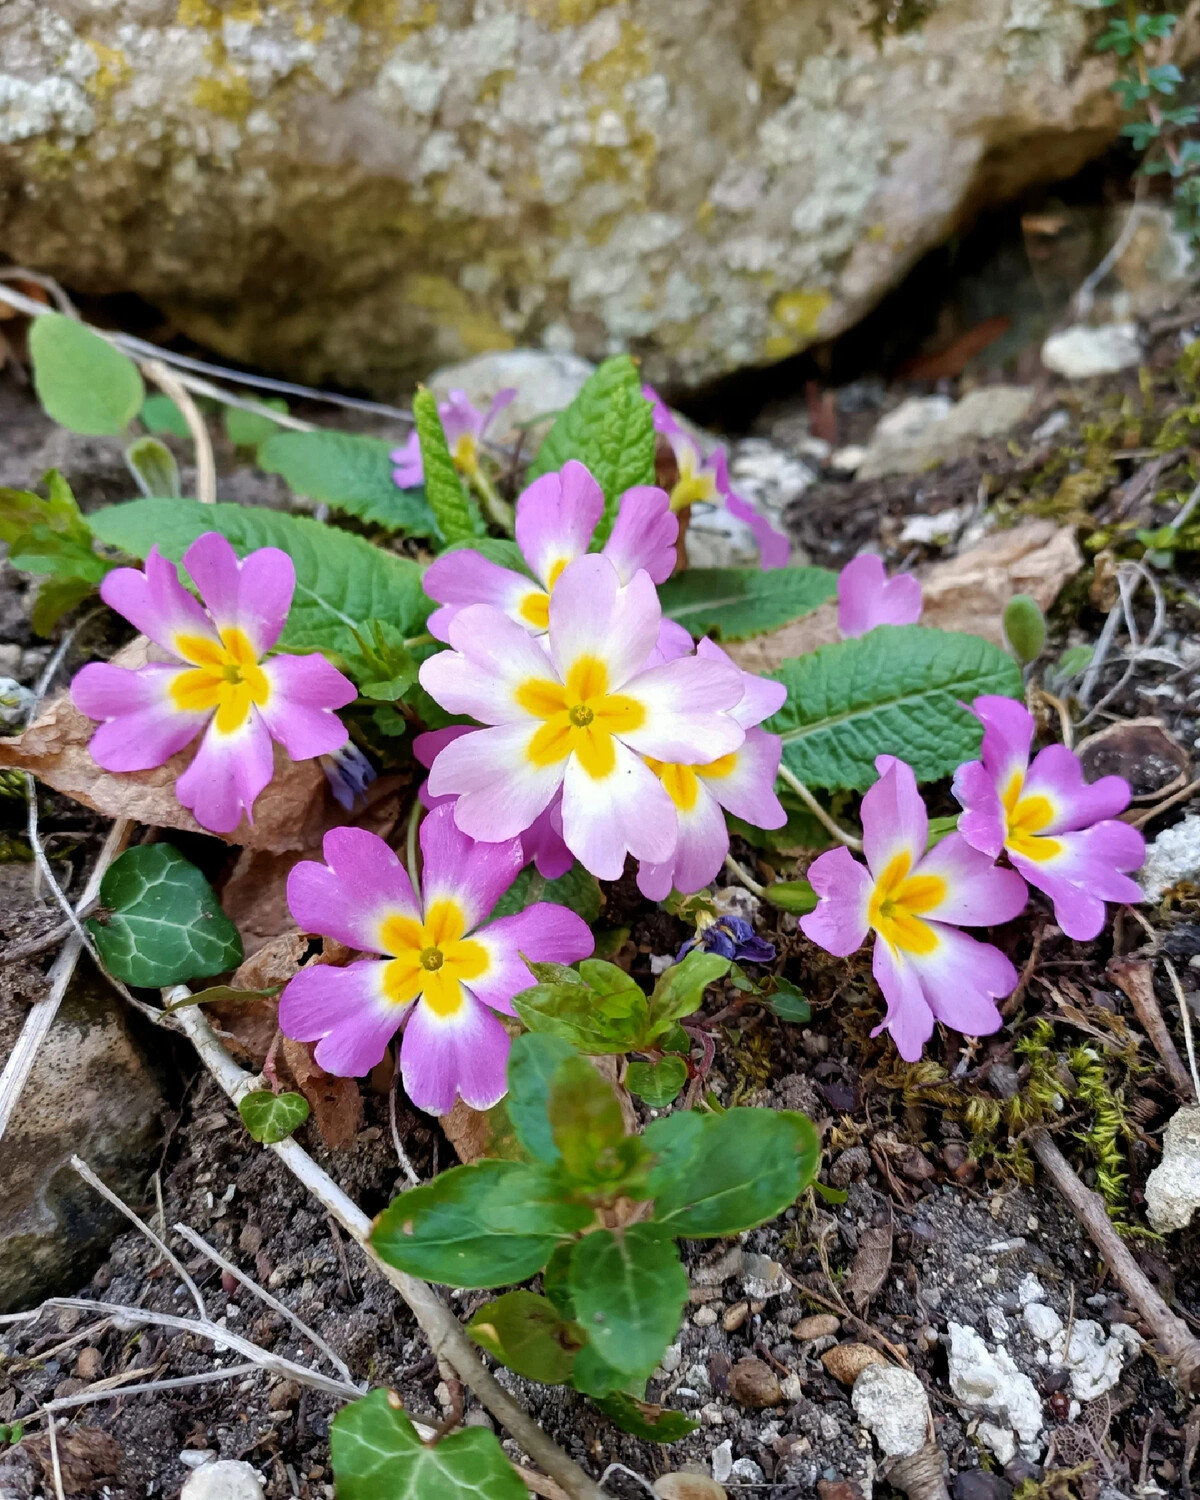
point(719, 1174)
point(645, 1420)
point(609, 427)
point(658, 1083)
point(161, 922)
point(734, 604)
point(377, 1455)
point(272, 1117)
point(787, 1002)
point(895, 691)
point(350, 473)
point(526, 1333)
point(82, 381)
point(598, 1010)
point(629, 1288)
point(443, 486)
point(153, 467)
point(55, 598)
point(578, 890)
point(556, 1280)
point(584, 1116)
point(488, 1224)
point(342, 581)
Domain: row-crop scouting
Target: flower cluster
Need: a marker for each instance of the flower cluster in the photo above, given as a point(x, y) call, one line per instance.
point(707, 480)
point(465, 427)
point(217, 680)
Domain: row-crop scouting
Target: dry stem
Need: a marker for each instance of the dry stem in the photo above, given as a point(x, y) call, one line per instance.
point(206, 469)
point(1135, 977)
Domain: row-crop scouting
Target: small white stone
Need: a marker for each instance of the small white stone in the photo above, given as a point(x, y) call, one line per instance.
point(1081, 352)
point(1173, 856)
point(229, 1479)
point(997, 1323)
point(1173, 1187)
point(672, 1356)
point(999, 1439)
point(1095, 1360)
point(1058, 421)
point(1042, 1321)
point(746, 1471)
point(892, 1403)
point(848, 460)
point(1030, 1289)
point(196, 1458)
point(704, 1317)
point(722, 1461)
point(992, 1385)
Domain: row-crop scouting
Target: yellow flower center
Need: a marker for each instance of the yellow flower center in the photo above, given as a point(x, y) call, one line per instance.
point(1025, 818)
point(692, 485)
point(431, 958)
point(535, 607)
point(465, 454)
point(580, 718)
point(682, 782)
point(226, 677)
point(898, 902)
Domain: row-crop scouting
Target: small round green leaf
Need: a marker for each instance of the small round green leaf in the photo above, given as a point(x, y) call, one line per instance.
point(657, 1083)
point(1024, 627)
point(160, 921)
point(83, 382)
point(272, 1117)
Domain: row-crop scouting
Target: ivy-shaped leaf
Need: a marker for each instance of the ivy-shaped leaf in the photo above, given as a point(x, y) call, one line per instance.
point(82, 381)
point(342, 581)
point(896, 690)
point(734, 604)
point(377, 1455)
point(160, 921)
point(609, 427)
point(272, 1117)
point(658, 1083)
point(350, 473)
point(443, 487)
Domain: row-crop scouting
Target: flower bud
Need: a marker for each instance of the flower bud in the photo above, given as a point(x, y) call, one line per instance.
point(1024, 628)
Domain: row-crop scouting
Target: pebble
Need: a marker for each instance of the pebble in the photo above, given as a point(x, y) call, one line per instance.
point(792, 1387)
point(722, 1461)
point(992, 1385)
point(1042, 1321)
point(1079, 353)
point(746, 1471)
point(818, 1326)
point(1173, 1187)
point(196, 1458)
point(752, 1382)
point(283, 1395)
point(763, 1277)
point(846, 1362)
point(688, 1487)
point(228, 1479)
point(980, 1484)
point(735, 1316)
point(1030, 1289)
point(704, 1317)
point(90, 1364)
point(892, 1403)
point(1173, 856)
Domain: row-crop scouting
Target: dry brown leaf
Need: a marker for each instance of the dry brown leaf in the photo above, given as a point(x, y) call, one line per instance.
point(85, 1455)
point(245, 1028)
point(291, 813)
point(965, 593)
point(274, 963)
point(336, 1102)
point(469, 1131)
point(846, 1362)
point(872, 1261)
point(1144, 752)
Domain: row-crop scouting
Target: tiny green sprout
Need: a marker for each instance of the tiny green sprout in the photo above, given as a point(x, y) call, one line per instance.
point(1024, 628)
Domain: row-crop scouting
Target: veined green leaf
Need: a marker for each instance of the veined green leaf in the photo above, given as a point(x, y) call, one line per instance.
point(532, 1063)
point(443, 486)
point(657, 1084)
point(351, 473)
point(577, 889)
point(651, 1423)
point(628, 1288)
point(896, 691)
point(734, 604)
point(272, 1117)
point(526, 1333)
point(83, 382)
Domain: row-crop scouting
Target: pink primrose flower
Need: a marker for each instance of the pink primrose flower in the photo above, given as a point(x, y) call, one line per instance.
point(1059, 831)
point(218, 679)
point(465, 427)
point(915, 901)
point(574, 713)
point(556, 517)
point(867, 597)
point(447, 970)
point(707, 479)
point(742, 782)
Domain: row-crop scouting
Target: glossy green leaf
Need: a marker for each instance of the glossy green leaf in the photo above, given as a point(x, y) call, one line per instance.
point(526, 1333)
point(719, 1174)
point(153, 467)
point(160, 921)
point(788, 1003)
point(895, 690)
point(657, 1083)
point(443, 486)
point(629, 1288)
point(352, 474)
point(532, 1063)
point(733, 604)
point(578, 890)
point(489, 1224)
point(600, 1010)
point(609, 427)
point(594, 1376)
point(556, 1280)
point(247, 429)
point(272, 1117)
point(55, 598)
point(795, 896)
point(342, 581)
point(645, 1420)
point(585, 1119)
point(680, 989)
point(82, 381)
point(377, 1455)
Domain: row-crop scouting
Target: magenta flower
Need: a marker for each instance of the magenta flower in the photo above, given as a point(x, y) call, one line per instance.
point(707, 480)
point(218, 679)
point(447, 969)
point(465, 427)
point(867, 597)
point(542, 842)
point(575, 712)
point(915, 902)
point(1061, 833)
point(742, 782)
point(556, 518)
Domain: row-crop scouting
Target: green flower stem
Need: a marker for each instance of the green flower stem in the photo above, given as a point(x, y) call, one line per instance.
point(739, 873)
point(818, 812)
point(410, 847)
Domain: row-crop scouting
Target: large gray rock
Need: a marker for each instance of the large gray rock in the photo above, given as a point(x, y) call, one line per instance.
point(359, 190)
point(90, 1092)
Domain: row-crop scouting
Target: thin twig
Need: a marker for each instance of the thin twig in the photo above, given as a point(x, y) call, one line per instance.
point(206, 469)
point(1161, 807)
point(58, 1482)
point(1087, 287)
point(160, 1245)
point(34, 947)
point(1128, 575)
point(111, 1390)
point(1186, 1018)
point(200, 1243)
point(818, 812)
point(447, 1339)
point(1135, 978)
point(402, 1156)
point(744, 876)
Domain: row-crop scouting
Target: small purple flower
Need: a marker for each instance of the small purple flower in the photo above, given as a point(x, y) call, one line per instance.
point(465, 427)
point(1059, 831)
point(732, 938)
point(867, 597)
point(446, 969)
point(219, 679)
point(707, 480)
point(349, 774)
point(915, 901)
